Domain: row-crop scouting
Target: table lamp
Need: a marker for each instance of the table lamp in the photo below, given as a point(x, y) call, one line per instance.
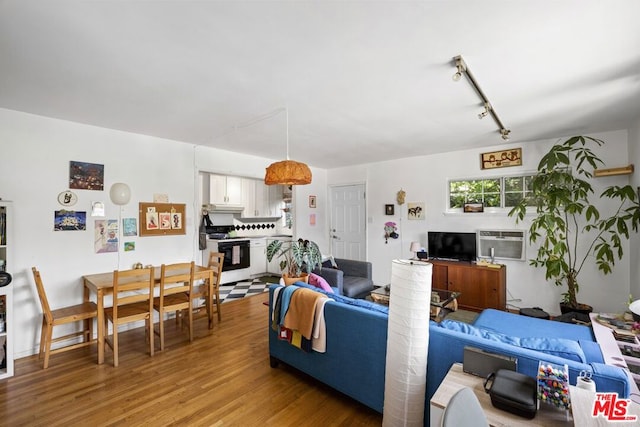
point(634, 308)
point(415, 248)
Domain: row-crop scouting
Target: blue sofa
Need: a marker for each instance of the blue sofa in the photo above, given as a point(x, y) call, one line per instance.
point(354, 362)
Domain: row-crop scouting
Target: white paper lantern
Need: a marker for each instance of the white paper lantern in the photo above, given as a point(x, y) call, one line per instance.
point(120, 193)
point(407, 343)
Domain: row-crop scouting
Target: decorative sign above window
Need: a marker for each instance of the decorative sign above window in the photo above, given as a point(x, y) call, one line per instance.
point(501, 159)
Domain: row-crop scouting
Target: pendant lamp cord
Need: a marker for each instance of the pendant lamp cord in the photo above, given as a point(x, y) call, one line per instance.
point(286, 110)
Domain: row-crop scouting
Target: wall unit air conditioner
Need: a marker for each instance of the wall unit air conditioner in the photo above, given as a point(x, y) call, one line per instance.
point(501, 244)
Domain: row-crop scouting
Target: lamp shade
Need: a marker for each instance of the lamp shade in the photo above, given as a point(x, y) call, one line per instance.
point(634, 308)
point(288, 172)
point(415, 247)
point(120, 193)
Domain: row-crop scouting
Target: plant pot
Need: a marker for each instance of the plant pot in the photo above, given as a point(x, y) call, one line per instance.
point(304, 277)
point(581, 308)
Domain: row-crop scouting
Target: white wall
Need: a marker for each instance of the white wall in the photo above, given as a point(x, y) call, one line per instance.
point(35, 162)
point(634, 253)
point(424, 179)
point(303, 227)
point(35, 168)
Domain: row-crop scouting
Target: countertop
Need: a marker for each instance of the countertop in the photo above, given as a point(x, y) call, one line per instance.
point(236, 238)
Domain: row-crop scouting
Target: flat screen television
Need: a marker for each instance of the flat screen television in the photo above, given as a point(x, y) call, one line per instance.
point(451, 246)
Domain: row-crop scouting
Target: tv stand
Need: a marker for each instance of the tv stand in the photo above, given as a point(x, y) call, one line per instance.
point(480, 287)
point(445, 259)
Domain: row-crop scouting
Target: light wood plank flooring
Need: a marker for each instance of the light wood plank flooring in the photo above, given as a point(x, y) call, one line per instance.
point(222, 379)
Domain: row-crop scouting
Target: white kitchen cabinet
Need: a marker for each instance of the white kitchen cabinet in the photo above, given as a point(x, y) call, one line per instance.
point(271, 200)
point(266, 200)
point(249, 197)
point(259, 199)
point(258, 257)
point(273, 267)
point(225, 190)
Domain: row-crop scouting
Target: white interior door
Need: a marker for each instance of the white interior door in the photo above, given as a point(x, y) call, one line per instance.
point(348, 222)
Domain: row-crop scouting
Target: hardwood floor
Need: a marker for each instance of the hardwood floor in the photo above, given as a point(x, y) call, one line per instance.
point(222, 379)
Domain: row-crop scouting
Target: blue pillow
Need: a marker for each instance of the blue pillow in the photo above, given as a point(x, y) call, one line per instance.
point(468, 329)
point(567, 349)
point(560, 347)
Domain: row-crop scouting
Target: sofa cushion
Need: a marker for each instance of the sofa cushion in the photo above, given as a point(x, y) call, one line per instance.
point(354, 286)
point(567, 349)
point(592, 351)
point(468, 329)
point(515, 324)
point(346, 300)
point(328, 261)
point(319, 282)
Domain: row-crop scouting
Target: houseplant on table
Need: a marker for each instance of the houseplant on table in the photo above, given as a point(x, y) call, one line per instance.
point(299, 257)
point(568, 224)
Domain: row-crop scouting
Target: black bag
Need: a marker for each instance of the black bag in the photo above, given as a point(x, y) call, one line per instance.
point(206, 221)
point(512, 392)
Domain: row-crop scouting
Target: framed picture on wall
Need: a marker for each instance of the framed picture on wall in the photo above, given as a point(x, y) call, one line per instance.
point(86, 176)
point(501, 159)
point(415, 210)
point(389, 209)
point(473, 207)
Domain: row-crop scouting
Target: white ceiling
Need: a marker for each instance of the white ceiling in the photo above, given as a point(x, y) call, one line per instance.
point(363, 81)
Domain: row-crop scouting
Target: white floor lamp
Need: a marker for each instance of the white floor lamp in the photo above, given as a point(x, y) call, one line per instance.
point(407, 344)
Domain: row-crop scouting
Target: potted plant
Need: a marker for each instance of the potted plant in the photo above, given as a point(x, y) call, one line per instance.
point(568, 224)
point(299, 258)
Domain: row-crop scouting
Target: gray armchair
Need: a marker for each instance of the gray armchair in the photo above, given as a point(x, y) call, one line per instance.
point(352, 278)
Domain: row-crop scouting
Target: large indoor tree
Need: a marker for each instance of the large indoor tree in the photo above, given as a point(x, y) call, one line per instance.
point(567, 222)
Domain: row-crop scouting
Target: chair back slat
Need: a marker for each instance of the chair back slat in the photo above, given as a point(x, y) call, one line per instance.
point(130, 286)
point(216, 259)
point(176, 278)
point(42, 295)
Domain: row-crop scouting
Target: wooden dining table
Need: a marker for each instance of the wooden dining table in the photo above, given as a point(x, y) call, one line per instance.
point(101, 284)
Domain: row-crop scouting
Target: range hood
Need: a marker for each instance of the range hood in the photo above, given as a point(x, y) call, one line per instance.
point(226, 208)
point(259, 219)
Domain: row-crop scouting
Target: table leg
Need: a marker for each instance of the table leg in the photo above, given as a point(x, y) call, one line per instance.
point(210, 300)
point(88, 323)
point(101, 331)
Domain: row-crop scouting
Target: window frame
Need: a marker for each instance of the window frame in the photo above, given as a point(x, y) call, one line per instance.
point(501, 178)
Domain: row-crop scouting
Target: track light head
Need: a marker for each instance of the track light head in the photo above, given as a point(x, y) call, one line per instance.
point(487, 108)
point(505, 134)
point(461, 68)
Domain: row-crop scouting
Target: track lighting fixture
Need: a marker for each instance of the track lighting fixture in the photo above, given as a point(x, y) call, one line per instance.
point(461, 67)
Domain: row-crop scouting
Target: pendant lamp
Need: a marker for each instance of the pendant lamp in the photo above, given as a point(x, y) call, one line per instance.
point(288, 172)
point(120, 193)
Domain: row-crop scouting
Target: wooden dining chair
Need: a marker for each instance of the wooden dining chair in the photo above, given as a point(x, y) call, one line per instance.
point(84, 312)
point(176, 288)
point(201, 290)
point(132, 302)
point(216, 260)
